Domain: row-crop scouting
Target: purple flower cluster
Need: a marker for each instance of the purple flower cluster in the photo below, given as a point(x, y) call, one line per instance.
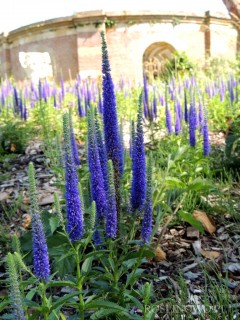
point(73, 202)
point(110, 120)
point(148, 207)
point(206, 143)
point(111, 216)
point(168, 119)
point(40, 252)
point(96, 174)
point(138, 191)
point(192, 125)
point(73, 143)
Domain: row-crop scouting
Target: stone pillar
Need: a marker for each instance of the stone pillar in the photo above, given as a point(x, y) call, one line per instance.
point(5, 60)
point(207, 35)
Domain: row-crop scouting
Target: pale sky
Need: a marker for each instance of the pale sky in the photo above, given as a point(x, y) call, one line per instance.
point(17, 13)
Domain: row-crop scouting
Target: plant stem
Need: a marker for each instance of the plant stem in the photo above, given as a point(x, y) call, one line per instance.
point(79, 283)
point(113, 257)
point(138, 262)
point(169, 220)
point(42, 289)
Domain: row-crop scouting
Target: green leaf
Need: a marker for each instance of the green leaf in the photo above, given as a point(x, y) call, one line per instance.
point(104, 304)
point(172, 182)
point(151, 314)
point(64, 256)
point(111, 262)
point(4, 304)
point(96, 254)
point(189, 218)
point(148, 253)
point(199, 184)
point(87, 266)
point(26, 242)
point(135, 301)
point(129, 263)
point(65, 266)
point(64, 299)
point(31, 304)
point(54, 315)
point(31, 293)
point(131, 278)
point(180, 153)
point(103, 313)
point(54, 223)
point(34, 316)
point(61, 284)
point(164, 300)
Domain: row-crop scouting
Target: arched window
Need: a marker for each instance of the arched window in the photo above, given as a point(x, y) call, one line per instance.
point(155, 57)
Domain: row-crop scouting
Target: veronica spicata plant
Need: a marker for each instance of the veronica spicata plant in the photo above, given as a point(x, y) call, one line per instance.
point(138, 191)
point(110, 122)
point(73, 202)
point(40, 251)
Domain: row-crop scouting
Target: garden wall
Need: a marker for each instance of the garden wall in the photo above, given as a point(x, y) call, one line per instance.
point(64, 47)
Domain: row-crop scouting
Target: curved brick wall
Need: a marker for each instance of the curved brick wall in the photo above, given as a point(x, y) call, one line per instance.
point(67, 46)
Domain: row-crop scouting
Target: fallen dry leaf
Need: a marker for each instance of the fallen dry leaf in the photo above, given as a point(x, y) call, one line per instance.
point(159, 254)
point(13, 147)
point(26, 220)
point(210, 254)
point(207, 222)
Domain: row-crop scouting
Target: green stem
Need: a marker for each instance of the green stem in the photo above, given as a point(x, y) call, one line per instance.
point(138, 262)
point(113, 256)
point(169, 220)
point(79, 283)
point(132, 231)
point(45, 308)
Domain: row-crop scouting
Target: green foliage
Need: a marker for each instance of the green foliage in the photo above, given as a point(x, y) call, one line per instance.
point(109, 281)
point(178, 65)
point(14, 136)
point(109, 23)
point(232, 149)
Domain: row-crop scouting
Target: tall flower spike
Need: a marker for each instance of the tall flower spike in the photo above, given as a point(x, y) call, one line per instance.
point(81, 198)
point(192, 125)
point(101, 150)
point(200, 115)
point(206, 143)
point(92, 218)
point(15, 295)
point(40, 252)
point(111, 217)
point(155, 104)
point(110, 120)
point(132, 138)
point(73, 203)
point(58, 209)
point(96, 174)
point(79, 104)
point(177, 122)
point(148, 208)
point(73, 142)
point(168, 119)
point(168, 115)
point(100, 106)
point(185, 106)
point(138, 191)
point(122, 150)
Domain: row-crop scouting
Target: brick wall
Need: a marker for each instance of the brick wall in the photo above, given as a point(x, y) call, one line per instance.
point(74, 43)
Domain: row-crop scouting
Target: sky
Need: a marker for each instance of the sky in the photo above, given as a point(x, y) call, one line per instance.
point(17, 13)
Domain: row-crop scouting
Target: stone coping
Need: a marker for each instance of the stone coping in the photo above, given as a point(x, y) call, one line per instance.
point(98, 17)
